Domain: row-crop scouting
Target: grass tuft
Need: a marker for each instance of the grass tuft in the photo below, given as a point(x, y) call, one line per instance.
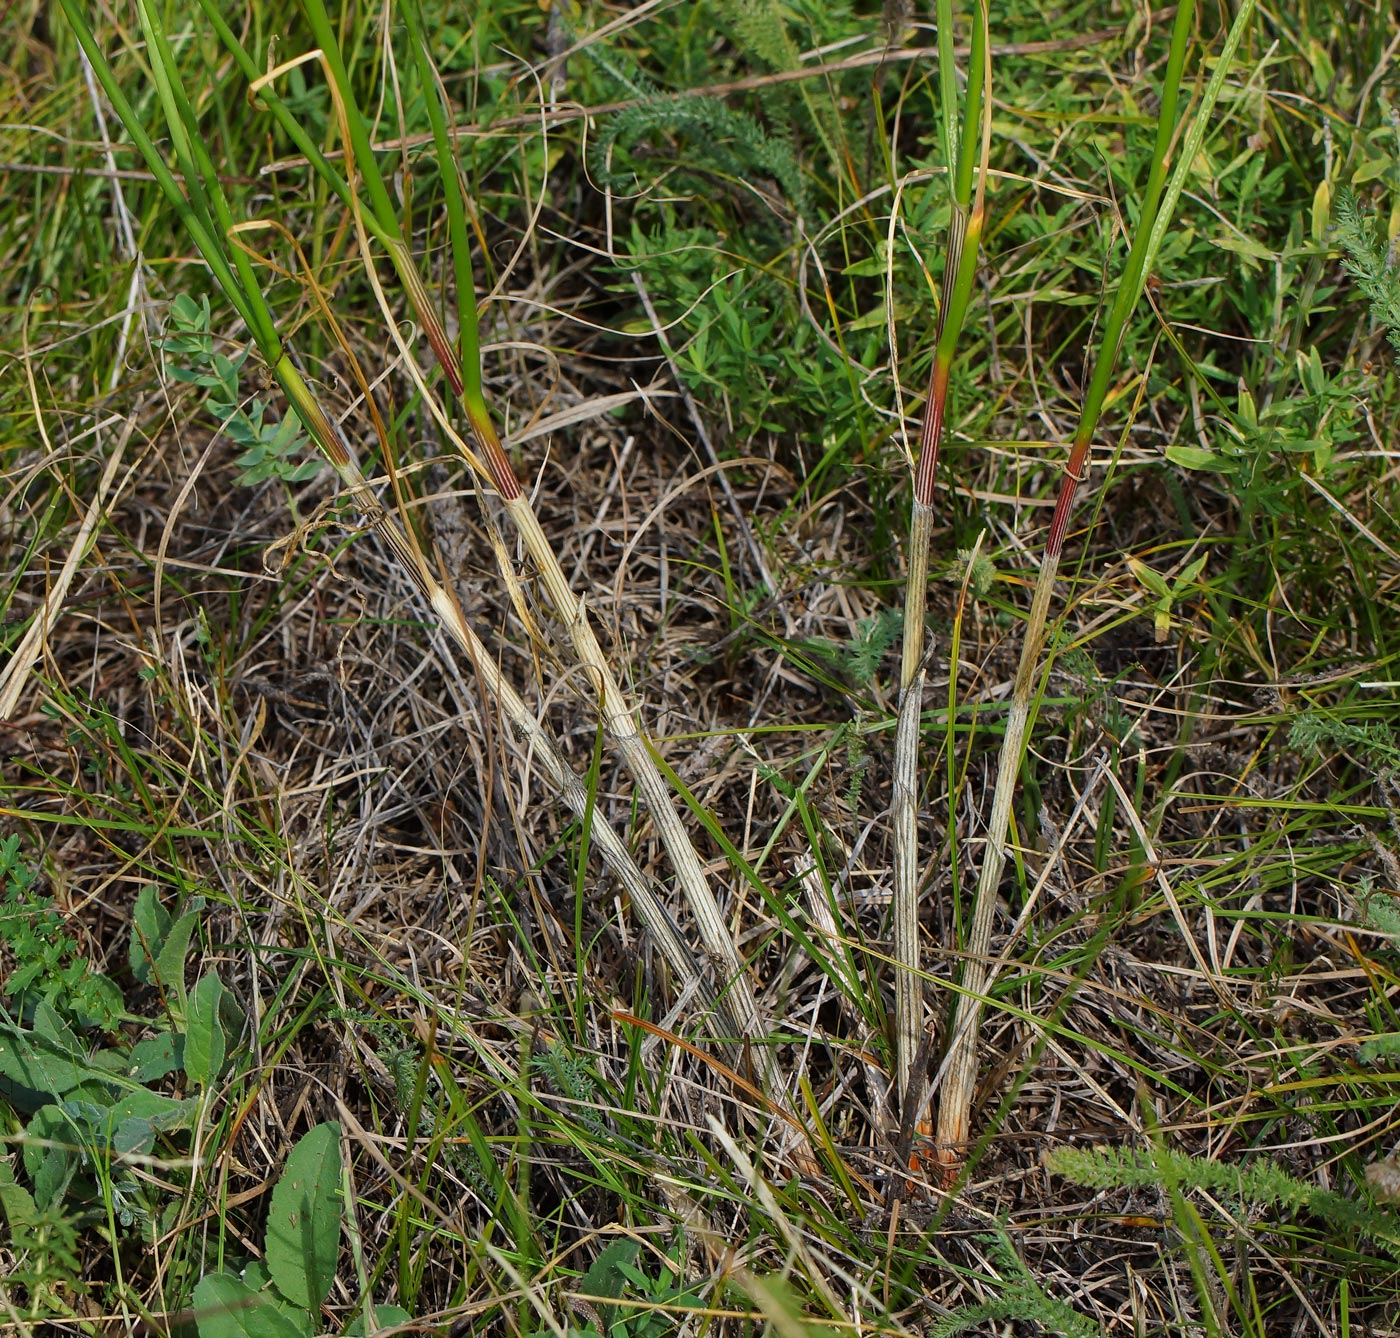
point(533, 875)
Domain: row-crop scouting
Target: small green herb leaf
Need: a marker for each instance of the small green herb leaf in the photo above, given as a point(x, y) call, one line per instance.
point(150, 923)
point(34, 1068)
point(608, 1276)
point(170, 958)
point(383, 1317)
point(17, 1203)
point(225, 1307)
point(155, 1057)
point(1150, 579)
point(303, 1227)
point(206, 1036)
point(1194, 457)
point(50, 1154)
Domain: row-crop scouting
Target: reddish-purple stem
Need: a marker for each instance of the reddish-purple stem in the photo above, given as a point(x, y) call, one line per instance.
point(932, 433)
point(1059, 522)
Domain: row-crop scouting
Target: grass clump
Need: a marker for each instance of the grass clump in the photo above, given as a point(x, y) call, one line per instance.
point(541, 873)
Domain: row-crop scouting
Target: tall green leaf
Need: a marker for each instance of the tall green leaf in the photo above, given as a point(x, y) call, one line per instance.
point(303, 1228)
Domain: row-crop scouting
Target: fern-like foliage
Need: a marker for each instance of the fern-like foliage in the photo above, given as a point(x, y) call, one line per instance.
point(1382, 913)
point(858, 659)
point(1021, 1299)
point(1373, 741)
point(567, 1073)
point(1385, 1046)
point(1363, 257)
point(758, 29)
point(1262, 1183)
point(717, 138)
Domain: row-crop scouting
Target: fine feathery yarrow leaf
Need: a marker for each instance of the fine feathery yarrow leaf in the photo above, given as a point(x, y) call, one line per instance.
point(1376, 273)
point(1021, 1298)
point(1261, 1182)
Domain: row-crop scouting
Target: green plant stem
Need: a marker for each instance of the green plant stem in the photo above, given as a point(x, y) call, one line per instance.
point(618, 715)
point(1155, 217)
point(454, 193)
point(964, 239)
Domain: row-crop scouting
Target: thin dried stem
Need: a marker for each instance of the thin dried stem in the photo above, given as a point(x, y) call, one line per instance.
point(210, 224)
point(490, 460)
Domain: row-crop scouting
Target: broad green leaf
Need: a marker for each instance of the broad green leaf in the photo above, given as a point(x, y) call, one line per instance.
point(303, 1226)
point(1321, 211)
point(49, 1024)
point(17, 1203)
point(225, 1307)
point(1245, 247)
point(1324, 73)
point(384, 1316)
point(35, 1069)
point(186, 310)
point(1249, 412)
point(132, 1124)
point(155, 1057)
point(150, 924)
point(256, 1275)
point(607, 1277)
point(872, 267)
point(206, 1043)
point(227, 375)
point(50, 1154)
point(284, 435)
point(128, 1126)
point(1371, 169)
point(1312, 372)
point(1193, 570)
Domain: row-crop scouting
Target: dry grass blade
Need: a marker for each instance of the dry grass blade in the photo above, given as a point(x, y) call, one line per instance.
point(15, 675)
point(238, 280)
point(491, 462)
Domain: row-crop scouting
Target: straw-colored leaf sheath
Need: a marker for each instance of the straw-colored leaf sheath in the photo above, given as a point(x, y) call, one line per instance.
point(1158, 206)
point(210, 224)
point(620, 720)
point(964, 238)
point(490, 461)
point(619, 717)
point(525, 727)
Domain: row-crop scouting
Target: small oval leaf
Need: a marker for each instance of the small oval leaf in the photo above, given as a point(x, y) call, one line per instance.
point(224, 1307)
point(205, 1041)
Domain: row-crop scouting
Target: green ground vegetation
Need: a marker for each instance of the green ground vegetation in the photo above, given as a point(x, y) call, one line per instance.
point(366, 967)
